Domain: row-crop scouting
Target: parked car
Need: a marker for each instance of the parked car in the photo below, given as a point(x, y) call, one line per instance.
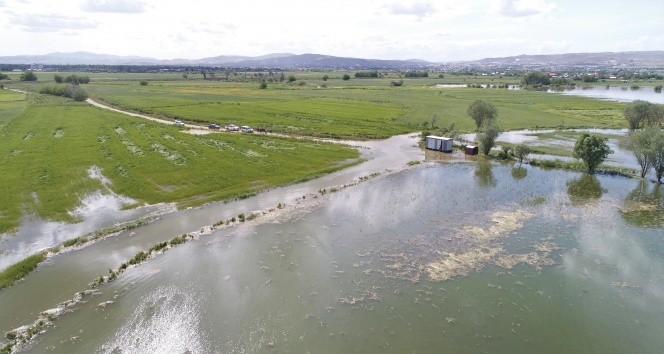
point(214, 126)
point(179, 123)
point(246, 129)
point(232, 128)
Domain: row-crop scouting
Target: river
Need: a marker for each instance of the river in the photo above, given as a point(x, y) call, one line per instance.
point(454, 255)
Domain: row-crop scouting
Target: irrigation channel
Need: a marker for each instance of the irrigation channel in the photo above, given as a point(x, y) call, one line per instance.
point(449, 255)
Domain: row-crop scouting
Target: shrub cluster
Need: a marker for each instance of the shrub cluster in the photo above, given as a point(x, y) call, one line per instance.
point(70, 91)
point(72, 79)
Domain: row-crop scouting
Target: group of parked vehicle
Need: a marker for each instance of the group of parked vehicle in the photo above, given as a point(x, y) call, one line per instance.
point(230, 127)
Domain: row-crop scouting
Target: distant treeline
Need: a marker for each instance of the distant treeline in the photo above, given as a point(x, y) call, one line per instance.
point(72, 79)
point(416, 74)
point(365, 74)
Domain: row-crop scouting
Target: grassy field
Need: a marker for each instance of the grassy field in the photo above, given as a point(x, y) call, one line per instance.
point(48, 149)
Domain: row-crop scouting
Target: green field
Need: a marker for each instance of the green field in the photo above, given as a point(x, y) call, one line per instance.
point(349, 111)
point(48, 144)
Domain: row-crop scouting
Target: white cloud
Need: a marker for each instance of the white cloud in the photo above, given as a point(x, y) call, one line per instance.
point(2, 3)
point(51, 22)
point(524, 8)
point(114, 6)
point(417, 9)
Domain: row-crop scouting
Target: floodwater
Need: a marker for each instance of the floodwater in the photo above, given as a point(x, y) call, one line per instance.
point(621, 156)
point(615, 93)
point(469, 256)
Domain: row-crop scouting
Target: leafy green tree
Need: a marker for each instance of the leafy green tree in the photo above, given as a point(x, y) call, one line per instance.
point(536, 78)
point(291, 78)
point(263, 85)
point(5, 77)
point(433, 119)
point(521, 151)
point(487, 136)
point(592, 149)
point(346, 77)
point(641, 113)
point(326, 77)
point(58, 78)
point(28, 76)
point(642, 143)
point(482, 112)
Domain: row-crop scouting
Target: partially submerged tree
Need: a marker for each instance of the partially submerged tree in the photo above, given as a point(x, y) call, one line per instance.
point(487, 136)
point(592, 149)
point(521, 151)
point(658, 156)
point(643, 143)
point(481, 112)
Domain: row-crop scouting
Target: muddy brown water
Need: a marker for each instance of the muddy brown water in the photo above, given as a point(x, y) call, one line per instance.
point(441, 257)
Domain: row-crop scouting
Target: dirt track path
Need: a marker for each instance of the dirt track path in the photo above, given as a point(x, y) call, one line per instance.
point(162, 121)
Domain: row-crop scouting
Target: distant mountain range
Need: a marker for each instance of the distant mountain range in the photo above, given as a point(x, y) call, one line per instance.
point(277, 60)
point(289, 60)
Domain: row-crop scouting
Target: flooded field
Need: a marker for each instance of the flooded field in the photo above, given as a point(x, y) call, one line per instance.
point(441, 257)
point(616, 93)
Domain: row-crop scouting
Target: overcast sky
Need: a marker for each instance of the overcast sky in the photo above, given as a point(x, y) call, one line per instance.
point(441, 30)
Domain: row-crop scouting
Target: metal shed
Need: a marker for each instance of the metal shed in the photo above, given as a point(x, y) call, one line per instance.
point(439, 143)
point(471, 150)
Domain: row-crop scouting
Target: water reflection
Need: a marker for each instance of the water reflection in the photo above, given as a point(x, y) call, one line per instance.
point(644, 206)
point(519, 172)
point(584, 190)
point(484, 175)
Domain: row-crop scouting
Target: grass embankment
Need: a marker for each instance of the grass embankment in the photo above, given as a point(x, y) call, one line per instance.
point(48, 149)
point(17, 271)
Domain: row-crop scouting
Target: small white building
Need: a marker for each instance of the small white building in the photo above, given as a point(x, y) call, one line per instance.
point(439, 143)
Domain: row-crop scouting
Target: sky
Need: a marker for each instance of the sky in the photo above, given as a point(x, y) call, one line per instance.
point(437, 31)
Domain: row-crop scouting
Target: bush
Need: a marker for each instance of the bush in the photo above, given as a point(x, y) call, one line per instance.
point(54, 90)
point(58, 78)
point(80, 95)
point(143, 82)
point(28, 76)
point(346, 77)
point(5, 77)
point(263, 85)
